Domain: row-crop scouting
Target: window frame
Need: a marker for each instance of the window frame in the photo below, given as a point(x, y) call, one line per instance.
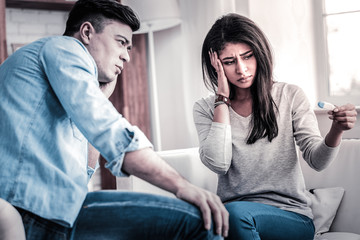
point(322, 60)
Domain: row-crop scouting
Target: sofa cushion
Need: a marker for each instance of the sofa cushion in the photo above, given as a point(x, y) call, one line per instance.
point(324, 204)
point(338, 236)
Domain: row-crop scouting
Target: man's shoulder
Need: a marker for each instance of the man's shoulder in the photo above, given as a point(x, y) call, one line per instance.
point(63, 42)
point(60, 48)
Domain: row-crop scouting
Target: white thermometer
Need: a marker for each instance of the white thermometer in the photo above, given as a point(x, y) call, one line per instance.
point(326, 105)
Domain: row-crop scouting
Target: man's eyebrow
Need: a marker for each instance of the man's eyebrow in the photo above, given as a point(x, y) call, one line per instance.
point(127, 41)
point(243, 54)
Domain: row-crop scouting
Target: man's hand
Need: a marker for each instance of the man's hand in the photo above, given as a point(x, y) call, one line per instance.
point(209, 204)
point(147, 165)
point(108, 88)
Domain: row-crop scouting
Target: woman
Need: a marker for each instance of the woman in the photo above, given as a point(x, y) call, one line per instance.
point(248, 132)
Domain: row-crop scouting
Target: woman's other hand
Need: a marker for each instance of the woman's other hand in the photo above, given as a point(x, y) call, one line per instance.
point(343, 117)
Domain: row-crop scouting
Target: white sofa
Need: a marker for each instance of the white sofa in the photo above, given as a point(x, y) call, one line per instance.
point(343, 172)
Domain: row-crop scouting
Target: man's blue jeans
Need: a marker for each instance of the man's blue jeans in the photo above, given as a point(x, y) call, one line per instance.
point(255, 221)
point(127, 215)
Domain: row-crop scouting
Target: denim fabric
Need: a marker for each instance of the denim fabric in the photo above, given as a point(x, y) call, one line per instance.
point(130, 215)
point(255, 221)
point(119, 215)
point(50, 106)
point(41, 229)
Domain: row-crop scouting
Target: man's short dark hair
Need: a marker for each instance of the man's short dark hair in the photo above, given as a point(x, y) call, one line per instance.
point(98, 13)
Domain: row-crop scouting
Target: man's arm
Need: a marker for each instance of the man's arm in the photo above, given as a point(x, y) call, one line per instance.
point(147, 165)
point(93, 154)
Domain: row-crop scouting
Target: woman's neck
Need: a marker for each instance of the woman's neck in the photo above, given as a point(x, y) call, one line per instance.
point(242, 102)
point(242, 95)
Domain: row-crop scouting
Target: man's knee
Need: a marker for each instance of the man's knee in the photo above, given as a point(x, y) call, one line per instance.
point(11, 225)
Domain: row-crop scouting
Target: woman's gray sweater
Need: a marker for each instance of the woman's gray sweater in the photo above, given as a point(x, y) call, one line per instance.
point(265, 172)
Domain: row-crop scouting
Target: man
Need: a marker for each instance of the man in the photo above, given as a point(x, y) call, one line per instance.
point(52, 107)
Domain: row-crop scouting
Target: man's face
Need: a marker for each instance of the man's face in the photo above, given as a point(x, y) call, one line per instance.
point(110, 49)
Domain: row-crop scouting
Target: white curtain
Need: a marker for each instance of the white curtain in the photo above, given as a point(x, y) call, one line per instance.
point(178, 67)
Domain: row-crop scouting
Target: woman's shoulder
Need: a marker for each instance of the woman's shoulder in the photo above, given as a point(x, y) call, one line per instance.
point(206, 100)
point(288, 87)
point(205, 103)
point(283, 89)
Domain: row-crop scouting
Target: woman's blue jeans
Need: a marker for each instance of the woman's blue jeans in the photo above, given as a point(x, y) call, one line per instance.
point(125, 215)
point(255, 221)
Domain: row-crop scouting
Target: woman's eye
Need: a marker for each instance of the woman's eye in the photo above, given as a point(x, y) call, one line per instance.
point(248, 56)
point(229, 62)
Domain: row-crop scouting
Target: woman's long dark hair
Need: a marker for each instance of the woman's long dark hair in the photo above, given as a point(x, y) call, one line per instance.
point(234, 28)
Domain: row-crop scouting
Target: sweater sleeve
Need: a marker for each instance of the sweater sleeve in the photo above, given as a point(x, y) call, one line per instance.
point(215, 141)
point(307, 134)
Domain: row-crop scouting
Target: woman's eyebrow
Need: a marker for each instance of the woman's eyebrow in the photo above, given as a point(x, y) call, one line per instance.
point(245, 53)
point(241, 55)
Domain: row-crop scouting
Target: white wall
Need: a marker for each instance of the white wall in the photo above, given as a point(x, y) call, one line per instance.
point(26, 25)
point(290, 28)
point(178, 67)
point(287, 23)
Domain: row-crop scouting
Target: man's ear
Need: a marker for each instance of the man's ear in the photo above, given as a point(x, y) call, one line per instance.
point(86, 32)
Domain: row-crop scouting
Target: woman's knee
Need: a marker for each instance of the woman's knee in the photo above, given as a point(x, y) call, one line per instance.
point(240, 213)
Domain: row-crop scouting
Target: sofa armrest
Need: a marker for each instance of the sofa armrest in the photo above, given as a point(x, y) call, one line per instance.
point(188, 164)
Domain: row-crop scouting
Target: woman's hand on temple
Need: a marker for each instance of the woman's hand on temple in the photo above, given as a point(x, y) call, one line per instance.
point(223, 84)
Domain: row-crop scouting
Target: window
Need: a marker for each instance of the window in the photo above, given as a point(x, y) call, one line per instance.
point(339, 50)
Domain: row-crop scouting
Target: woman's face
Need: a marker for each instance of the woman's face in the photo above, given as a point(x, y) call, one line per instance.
point(239, 64)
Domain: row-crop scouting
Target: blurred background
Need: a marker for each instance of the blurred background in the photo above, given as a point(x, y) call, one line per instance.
point(315, 45)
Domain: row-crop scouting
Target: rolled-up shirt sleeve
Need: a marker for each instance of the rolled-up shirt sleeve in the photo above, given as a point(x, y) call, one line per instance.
point(75, 84)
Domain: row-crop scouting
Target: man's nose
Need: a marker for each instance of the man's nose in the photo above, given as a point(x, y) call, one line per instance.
point(125, 56)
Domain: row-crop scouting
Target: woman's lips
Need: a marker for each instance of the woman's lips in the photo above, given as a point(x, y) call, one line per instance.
point(245, 79)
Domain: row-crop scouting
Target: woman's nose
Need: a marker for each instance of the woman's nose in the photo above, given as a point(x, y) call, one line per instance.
point(241, 67)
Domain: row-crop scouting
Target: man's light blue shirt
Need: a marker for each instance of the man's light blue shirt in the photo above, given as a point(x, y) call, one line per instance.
point(51, 105)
